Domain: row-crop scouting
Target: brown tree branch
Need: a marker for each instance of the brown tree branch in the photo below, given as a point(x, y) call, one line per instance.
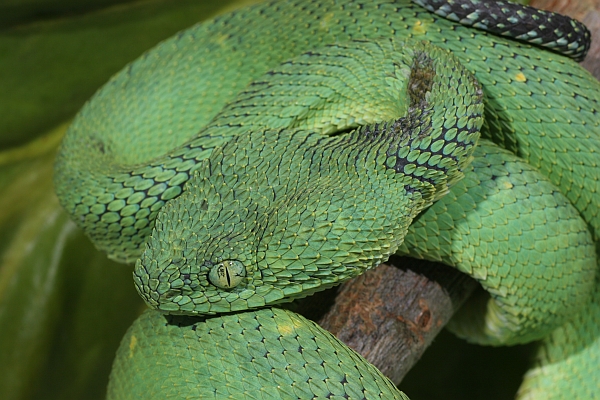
point(391, 314)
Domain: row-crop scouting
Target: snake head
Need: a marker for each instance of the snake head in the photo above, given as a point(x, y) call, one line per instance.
point(260, 224)
point(244, 238)
point(201, 256)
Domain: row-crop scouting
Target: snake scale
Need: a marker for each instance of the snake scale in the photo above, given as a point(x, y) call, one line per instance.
point(286, 147)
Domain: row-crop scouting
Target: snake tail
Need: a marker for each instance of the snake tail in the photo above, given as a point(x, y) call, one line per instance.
point(553, 31)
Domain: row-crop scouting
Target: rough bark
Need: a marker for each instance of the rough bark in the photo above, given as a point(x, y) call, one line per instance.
point(391, 314)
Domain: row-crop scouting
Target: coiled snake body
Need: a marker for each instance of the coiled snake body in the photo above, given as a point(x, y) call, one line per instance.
point(286, 147)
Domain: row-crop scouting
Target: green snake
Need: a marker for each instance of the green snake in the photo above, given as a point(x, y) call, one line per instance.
point(284, 148)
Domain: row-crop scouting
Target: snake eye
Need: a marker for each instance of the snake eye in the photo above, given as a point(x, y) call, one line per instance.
point(227, 274)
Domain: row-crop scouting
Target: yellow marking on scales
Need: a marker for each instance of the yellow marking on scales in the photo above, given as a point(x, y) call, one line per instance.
point(419, 28)
point(132, 345)
point(287, 329)
point(220, 39)
point(507, 185)
point(520, 77)
point(325, 20)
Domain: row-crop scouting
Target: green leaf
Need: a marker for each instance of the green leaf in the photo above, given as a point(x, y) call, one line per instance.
point(49, 68)
point(63, 305)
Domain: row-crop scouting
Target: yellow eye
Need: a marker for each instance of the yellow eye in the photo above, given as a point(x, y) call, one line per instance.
point(227, 274)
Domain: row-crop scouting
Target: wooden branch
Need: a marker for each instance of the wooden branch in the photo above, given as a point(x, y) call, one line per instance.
point(391, 314)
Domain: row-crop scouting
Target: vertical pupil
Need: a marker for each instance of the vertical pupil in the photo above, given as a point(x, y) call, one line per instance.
point(226, 274)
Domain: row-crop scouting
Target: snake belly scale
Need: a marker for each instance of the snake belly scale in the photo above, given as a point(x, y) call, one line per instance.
point(283, 148)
